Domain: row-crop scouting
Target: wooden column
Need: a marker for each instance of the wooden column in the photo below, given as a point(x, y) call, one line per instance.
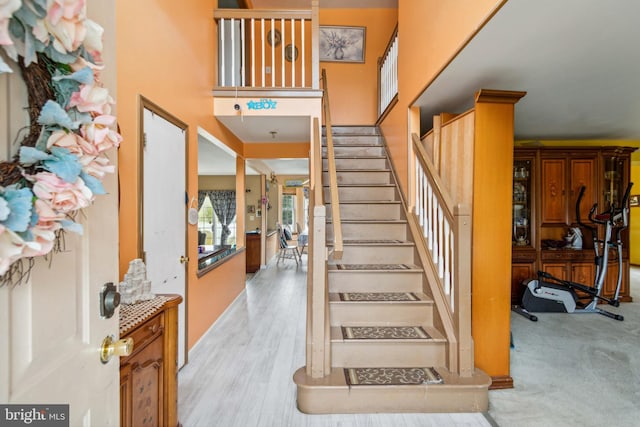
point(491, 269)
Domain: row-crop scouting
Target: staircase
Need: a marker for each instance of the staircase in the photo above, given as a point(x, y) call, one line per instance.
point(387, 352)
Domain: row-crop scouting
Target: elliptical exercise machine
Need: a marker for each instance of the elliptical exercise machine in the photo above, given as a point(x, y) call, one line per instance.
point(551, 294)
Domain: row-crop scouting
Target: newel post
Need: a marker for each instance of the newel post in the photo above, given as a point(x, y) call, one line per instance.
point(491, 262)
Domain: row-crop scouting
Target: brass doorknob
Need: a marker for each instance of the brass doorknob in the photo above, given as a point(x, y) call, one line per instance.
point(184, 259)
point(122, 347)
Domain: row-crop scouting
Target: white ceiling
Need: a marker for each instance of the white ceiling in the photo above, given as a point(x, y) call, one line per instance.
point(259, 128)
point(579, 61)
point(213, 160)
point(288, 166)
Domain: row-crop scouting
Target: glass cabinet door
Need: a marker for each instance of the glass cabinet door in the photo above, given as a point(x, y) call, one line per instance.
point(613, 184)
point(521, 202)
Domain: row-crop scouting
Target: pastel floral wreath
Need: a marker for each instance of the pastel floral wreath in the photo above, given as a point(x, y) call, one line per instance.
point(61, 162)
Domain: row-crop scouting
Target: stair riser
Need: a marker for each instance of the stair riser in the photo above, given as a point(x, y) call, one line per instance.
point(351, 194)
point(380, 314)
point(358, 354)
point(392, 399)
point(371, 231)
point(355, 164)
point(348, 281)
point(376, 255)
point(357, 177)
point(367, 211)
point(354, 140)
point(355, 151)
point(351, 130)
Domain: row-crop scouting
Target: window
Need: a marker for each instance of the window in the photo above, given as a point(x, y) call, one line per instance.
point(205, 222)
point(306, 213)
point(288, 211)
point(211, 228)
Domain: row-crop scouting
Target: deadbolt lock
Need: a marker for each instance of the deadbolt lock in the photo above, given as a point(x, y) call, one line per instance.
point(109, 300)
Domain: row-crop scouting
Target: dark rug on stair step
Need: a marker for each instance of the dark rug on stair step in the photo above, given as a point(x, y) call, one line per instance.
point(378, 296)
point(384, 332)
point(372, 267)
point(392, 376)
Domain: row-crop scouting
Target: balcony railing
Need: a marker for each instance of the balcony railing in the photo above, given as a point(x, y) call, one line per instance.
point(270, 49)
point(388, 75)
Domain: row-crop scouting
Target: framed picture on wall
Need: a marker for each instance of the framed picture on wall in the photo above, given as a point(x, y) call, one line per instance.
point(634, 201)
point(251, 209)
point(342, 44)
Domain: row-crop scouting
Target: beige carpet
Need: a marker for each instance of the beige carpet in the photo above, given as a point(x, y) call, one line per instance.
point(574, 369)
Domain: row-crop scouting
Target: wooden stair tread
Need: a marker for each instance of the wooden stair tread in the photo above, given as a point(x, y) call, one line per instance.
point(370, 221)
point(373, 242)
point(336, 378)
point(367, 202)
point(352, 157)
point(337, 335)
point(335, 298)
point(354, 145)
point(361, 185)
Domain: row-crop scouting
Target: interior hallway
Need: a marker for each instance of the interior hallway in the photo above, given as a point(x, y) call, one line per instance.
point(569, 370)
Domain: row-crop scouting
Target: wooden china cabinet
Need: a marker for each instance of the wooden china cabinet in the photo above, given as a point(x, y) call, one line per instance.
point(148, 376)
point(546, 185)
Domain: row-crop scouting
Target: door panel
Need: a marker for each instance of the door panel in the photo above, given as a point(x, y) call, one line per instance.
point(582, 174)
point(519, 272)
point(553, 191)
point(50, 325)
point(583, 273)
point(164, 207)
point(558, 270)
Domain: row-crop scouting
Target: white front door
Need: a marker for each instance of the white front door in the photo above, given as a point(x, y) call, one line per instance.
point(50, 325)
point(164, 207)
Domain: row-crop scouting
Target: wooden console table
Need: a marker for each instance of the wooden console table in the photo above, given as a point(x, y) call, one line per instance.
point(148, 377)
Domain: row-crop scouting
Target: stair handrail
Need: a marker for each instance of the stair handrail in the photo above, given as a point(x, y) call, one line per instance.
point(446, 236)
point(338, 248)
point(388, 77)
point(318, 352)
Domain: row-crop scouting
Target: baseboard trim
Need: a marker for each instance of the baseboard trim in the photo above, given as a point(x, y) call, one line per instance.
point(501, 382)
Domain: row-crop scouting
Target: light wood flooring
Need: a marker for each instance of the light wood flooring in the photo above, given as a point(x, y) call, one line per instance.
point(240, 372)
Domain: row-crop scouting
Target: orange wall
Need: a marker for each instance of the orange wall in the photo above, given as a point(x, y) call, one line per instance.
point(353, 83)
point(439, 29)
point(274, 150)
point(166, 52)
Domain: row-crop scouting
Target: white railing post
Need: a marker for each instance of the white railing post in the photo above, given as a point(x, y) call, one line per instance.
point(447, 239)
point(263, 82)
point(302, 50)
point(293, 49)
point(253, 52)
point(244, 58)
point(223, 81)
point(282, 64)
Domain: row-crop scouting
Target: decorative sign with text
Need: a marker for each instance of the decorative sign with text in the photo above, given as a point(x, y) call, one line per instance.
point(262, 104)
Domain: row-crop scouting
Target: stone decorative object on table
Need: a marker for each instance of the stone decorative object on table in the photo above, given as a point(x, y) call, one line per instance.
point(135, 287)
